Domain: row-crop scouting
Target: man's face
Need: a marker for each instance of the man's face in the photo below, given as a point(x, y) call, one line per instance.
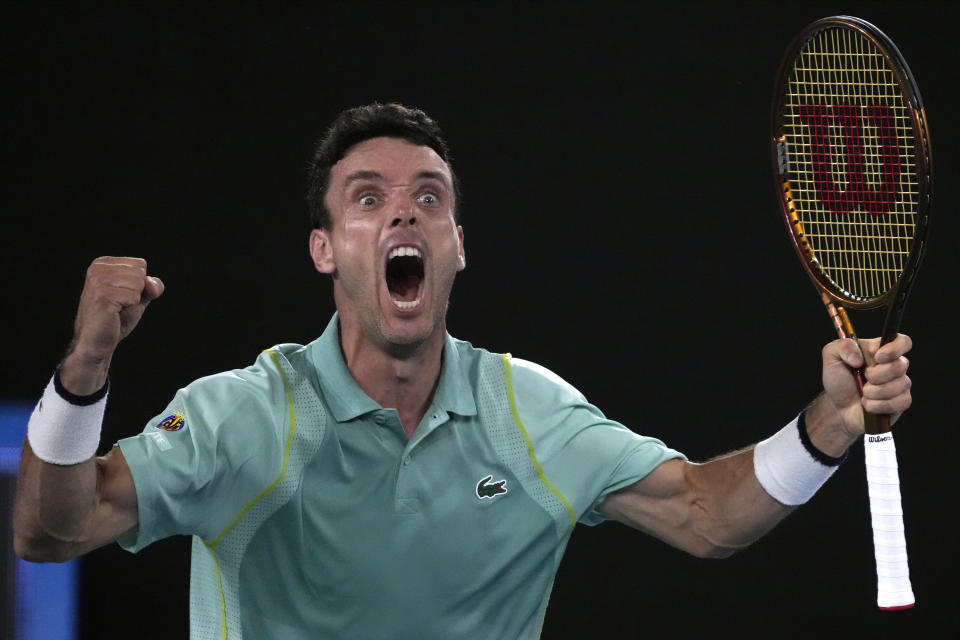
point(393, 247)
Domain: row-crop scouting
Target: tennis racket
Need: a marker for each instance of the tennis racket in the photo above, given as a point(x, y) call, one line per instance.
point(852, 165)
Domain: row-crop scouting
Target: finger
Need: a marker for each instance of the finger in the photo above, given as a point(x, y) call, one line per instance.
point(882, 373)
point(868, 347)
point(108, 264)
point(888, 406)
point(115, 298)
point(843, 351)
point(126, 289)
point(139, 263)
point(132, 269)
point(887, 390)
point(117, 278)
point(112, 284)
point(153, 288)
point(895, 348)
point(121, 273)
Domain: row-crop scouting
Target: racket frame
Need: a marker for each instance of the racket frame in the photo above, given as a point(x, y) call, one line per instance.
point(895, 297)
point(894, 590)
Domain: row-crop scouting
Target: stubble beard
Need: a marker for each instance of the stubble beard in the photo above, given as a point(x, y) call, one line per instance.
point(404, 345)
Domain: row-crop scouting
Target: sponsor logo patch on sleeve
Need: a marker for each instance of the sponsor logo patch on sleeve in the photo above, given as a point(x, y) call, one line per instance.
point(173, 422)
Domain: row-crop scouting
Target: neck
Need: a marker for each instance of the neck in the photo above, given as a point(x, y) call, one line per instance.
point(402, 379)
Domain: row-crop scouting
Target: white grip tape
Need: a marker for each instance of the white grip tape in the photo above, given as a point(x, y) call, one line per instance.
point(890, 546)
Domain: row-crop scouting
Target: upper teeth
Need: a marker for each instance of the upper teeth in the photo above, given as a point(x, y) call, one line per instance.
point(404, 251)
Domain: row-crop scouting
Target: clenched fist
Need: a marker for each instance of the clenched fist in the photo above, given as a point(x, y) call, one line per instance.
point(115, 294)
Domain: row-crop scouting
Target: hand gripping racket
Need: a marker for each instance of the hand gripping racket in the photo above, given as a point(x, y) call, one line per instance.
point(852, 165)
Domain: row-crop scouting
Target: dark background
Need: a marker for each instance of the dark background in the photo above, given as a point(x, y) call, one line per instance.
point(621, 229)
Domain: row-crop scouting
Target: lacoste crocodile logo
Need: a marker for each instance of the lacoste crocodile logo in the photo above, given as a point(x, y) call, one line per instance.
point(487, 489)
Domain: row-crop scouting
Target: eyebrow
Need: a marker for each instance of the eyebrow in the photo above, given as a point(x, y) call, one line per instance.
point(375, 175)
point(434, 175)
point(362, 175)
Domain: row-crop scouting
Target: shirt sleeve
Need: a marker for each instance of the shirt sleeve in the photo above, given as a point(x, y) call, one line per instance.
point(215, 447)
point(586, 455)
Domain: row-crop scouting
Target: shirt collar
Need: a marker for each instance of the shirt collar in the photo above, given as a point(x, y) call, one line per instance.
point(347, 400)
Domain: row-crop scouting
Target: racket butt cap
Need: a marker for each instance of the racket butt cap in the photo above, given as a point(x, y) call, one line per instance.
point(899, 607)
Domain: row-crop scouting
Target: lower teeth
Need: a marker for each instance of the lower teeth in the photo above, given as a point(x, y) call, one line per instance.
point(406, 304)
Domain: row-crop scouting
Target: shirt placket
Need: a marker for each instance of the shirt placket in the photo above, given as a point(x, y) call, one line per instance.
point(409, 477)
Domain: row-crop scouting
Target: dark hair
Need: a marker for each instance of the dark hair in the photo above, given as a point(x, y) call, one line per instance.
point(362, 123)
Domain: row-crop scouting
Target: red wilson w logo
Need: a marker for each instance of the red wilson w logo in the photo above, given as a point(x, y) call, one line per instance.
point(885, 147)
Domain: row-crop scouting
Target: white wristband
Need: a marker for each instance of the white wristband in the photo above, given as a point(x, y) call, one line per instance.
point(64, 429)
point(786, 469)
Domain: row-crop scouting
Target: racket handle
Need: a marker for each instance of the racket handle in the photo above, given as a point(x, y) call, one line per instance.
point(886, 514)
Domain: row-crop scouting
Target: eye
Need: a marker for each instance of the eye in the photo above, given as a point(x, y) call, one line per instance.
point(428, 198)
point(367, 200)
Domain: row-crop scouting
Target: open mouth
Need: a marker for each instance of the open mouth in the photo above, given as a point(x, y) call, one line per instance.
point(405, 276)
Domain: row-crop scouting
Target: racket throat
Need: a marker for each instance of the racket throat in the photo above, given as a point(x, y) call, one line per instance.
point(838, 315)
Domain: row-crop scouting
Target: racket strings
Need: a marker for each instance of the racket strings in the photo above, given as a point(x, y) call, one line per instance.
point(851, 161)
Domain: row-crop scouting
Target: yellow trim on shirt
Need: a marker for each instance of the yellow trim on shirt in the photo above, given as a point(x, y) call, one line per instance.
point(526, 437)
point(257, 498)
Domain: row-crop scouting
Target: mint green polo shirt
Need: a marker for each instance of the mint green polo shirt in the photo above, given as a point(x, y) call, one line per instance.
point(313, 515)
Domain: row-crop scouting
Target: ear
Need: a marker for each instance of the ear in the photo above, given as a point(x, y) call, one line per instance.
point(321, 250)
point(462, 257)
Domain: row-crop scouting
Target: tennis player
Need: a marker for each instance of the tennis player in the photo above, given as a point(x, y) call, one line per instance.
point(388, 473)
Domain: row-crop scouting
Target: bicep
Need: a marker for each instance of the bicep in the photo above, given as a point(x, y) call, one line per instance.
point(660, 504)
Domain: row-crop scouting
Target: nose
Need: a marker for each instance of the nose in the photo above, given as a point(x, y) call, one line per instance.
point(405, 214)
point(403, 220)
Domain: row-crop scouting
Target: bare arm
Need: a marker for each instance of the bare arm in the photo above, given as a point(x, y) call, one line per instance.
point(65, 511)
point(710, 510)
point(718, 507)
point(62, 511)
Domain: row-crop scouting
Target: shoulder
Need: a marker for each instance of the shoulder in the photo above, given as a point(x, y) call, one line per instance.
point(531, 379)
point(266, 368)
point(523, 376)
point(261, 383)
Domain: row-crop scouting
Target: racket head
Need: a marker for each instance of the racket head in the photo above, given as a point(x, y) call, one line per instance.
point(852, 161)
